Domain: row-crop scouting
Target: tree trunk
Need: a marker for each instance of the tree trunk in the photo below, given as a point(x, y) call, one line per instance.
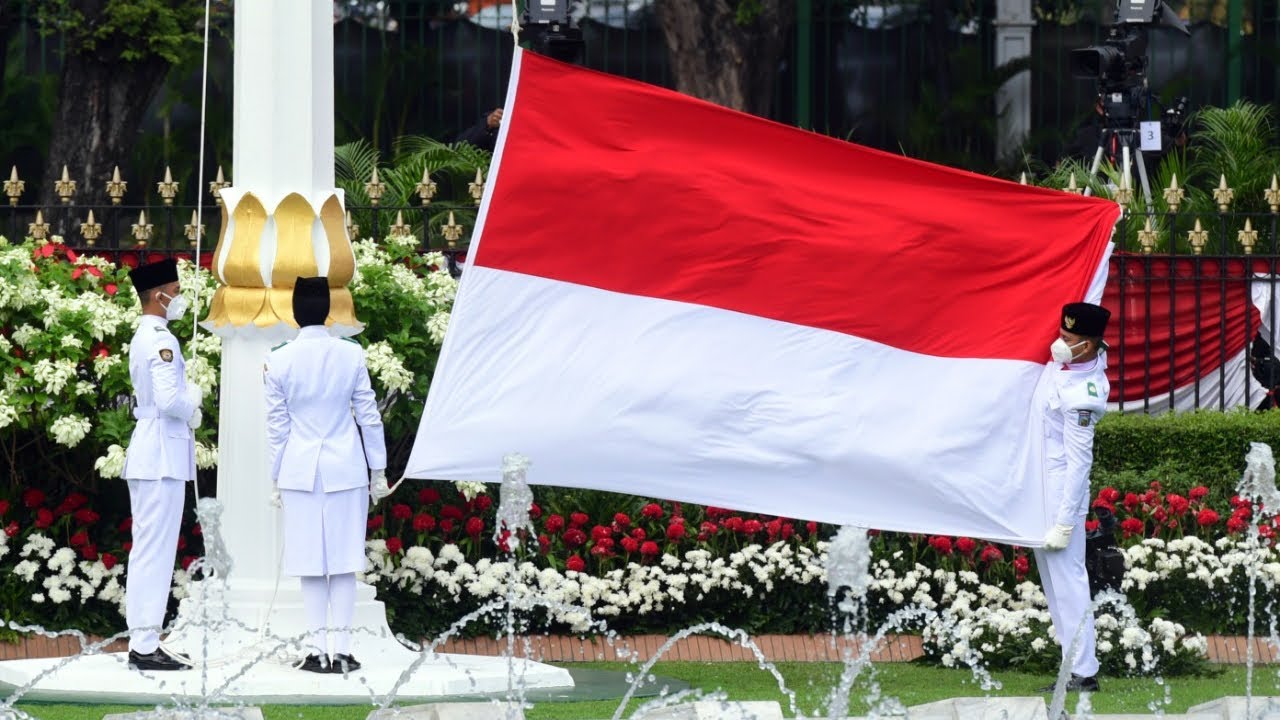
point(101, 103)
point(721, 57)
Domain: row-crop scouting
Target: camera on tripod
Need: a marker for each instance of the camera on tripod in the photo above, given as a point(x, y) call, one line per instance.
point(552, 29)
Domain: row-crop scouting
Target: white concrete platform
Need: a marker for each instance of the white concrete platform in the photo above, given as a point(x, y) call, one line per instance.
point(107, 679)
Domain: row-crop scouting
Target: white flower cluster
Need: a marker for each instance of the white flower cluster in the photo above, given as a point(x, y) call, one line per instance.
point(386, 367)
point(8, 413)
point(110, 465)
point(201, 373)
point(64, 578)
point(70, 429)
point(102, 365)
point(470, 489)
point(54, 374)
point(206, 456)
point(437, 325)
point(24, 333)
point(1191, 559)
point(103, 315)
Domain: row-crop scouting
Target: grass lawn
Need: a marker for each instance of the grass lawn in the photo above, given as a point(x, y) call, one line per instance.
point(910, 683)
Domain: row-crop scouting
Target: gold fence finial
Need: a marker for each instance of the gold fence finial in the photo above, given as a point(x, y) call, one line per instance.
point(476, 188)
point(375, 188)
point(1272, 194)
point(116, 186)
point(1248, 237)
point(353, 230)
point(452, 231)
point(90, 229)
point(66, 187)
point(1174, 195)
point(399, 229)
point(1072, 187)
point(167, 188)
point(215, 187)
point(1198, 238)
point(1223, 194)
point(426, 188)
point(13, 187)
point(142, 230)
point(39, 229)
point(1124, 193)
point(1022, 179)
point(194, 230)
point(1148, 236)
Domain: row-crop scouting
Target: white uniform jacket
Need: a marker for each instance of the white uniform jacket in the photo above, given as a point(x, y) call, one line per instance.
point(318, 392)
point(1073, 398)
point(162, 445)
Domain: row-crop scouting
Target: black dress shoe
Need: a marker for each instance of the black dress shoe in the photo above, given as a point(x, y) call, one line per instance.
point(316, 664)
point(1076, 684)
point(156, 660)
point(344, 663)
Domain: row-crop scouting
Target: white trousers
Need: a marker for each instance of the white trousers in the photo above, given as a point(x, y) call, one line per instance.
point(157, 517)
point(1066, 588)
point(329, 601)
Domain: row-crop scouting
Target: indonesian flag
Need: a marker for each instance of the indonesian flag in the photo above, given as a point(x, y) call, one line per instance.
point(672, 299)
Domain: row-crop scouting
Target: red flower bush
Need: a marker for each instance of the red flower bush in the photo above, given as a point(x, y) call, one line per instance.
point(652, 511)
point(475, 526)
point(578, 519)
point(400, 511)
point(1198, 493)
point(33, 497)
point(423, 522)
point(1132, 526)
point(428, 496)
point(941, 544)
point(554, 524)
point(394, 545)
point(44, 518)
point(576, 563)
point(1207, 517)
point(676, 531)
point(649, 548)
point(573, 537)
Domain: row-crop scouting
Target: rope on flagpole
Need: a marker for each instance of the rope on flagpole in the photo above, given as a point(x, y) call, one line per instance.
point(515, 22)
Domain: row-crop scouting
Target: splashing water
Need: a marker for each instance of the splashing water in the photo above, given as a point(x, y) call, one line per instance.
point(217, 559)
point(849, 562)
point(514, 500)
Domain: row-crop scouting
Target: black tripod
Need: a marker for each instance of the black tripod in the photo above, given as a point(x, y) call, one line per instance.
point(1128, 141)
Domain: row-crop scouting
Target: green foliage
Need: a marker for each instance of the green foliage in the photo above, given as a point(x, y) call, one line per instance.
point(127, 30)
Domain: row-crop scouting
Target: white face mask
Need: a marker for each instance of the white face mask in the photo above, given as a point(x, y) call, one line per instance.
point(176, 308)
point(1061, 352)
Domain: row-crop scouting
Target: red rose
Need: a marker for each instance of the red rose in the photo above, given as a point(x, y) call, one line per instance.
point(1207, 517)
point(639, 533)
point(573, 537)
point(604, 547)
point(544, 544)
point(1238, 502)
point(4, 507)
point(1131, 501)
point(446, 525)
point(428, 496)
point(75, 501)
point(110, 288)
point(1159, 515)
point(423, 522)
point(649, 547)
point(374, 522)
point(484, 502)
point(554, 523)
point(1198, 492)
point(991, 554)
point(630, 544)
point(652, 511)
point(89, 552)
point(599, 532)
point(1178, 505)
point(475, 526)
point(751, 527)
point(733, 524)
point(1266, 531)
point(394, 545)
point(1132, 526)
point(966, 545)
point(79, 539)
point(1235, 524)
point(1109, 494)
point(620, 519)
point(86, 516)
point(451, 512)
point(44, 518)
point(1090, 525)
point(108, 560)
point(1100, 503)
point(128, 545)
point(535, 512)
point(126, 525)
point(400, 511)
point(811, 527)
point(788, 530)
point(773, 527)
point(1021, 565)
point(182, 543)
point(1243, 512)
point(12, 529)
point(716, 513)
point(33, 497)
point(578, 519)
point(708, 527)
point(187, 560)
point(576, 563)
point(675, 531)
point(941, 544)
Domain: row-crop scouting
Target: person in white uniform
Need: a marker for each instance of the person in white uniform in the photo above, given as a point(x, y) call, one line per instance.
point(159, 462)
point(319, 402)
point(1072, 395)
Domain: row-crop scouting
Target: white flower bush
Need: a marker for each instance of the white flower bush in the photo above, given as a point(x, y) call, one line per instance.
point(70, 430)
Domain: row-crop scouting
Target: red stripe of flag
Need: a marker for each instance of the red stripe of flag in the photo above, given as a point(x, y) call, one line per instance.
point(661, 195)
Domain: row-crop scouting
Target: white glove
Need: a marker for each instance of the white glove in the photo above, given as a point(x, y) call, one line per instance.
point(1058, 537)
point(378, 485)
point(275, 500)
point(193, 422)
point(195, 395)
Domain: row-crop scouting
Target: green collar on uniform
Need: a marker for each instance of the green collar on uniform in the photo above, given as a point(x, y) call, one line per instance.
point(286, 342)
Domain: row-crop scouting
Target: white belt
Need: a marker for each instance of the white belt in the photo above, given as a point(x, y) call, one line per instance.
point(146, 412)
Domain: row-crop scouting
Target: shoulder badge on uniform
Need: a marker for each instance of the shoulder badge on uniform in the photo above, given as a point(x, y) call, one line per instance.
point(166, 354)
point(1093, 391)
point(1084, 418)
